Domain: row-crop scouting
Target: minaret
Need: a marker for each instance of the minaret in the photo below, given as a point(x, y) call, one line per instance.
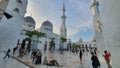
point(94, 7)
point(63, 29)
point(98, 27)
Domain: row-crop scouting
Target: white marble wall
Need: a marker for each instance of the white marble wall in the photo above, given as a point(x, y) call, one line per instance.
point(10, 28)
point(3, 6)
point(110, 15)
point(44, 39)
point(98, 28)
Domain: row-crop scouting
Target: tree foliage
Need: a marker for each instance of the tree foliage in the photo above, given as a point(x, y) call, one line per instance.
point(31, 33)
point(63, 39)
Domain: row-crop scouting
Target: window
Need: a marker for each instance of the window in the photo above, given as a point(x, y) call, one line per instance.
point(29, 25)
point(48, 29)
point(19, 1)
point(17, 10)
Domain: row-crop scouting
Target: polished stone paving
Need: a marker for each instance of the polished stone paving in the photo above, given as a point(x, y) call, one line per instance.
point(10, 63)
point(67, 59)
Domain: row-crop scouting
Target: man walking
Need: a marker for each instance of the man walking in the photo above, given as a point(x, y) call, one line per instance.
point(80, 55)
point(7, 54)
point(107, 58)
point(95, 61)
point(14, 49)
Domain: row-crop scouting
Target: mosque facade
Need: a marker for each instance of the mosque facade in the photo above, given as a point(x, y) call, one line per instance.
point(17, 10)
point(28, 25)
point(47, 28)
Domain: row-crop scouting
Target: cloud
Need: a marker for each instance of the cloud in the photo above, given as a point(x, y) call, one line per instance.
point(77, 11)
point(42, 11)
point(80, 27)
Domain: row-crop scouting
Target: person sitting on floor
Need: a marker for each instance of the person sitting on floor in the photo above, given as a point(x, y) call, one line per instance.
point(51, 62)
point(45, 61)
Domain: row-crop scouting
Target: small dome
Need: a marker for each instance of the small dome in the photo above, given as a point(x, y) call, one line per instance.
point(47, 23)
point(29, 20)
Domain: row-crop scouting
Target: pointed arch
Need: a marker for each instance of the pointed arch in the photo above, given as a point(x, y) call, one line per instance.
point(98, 26)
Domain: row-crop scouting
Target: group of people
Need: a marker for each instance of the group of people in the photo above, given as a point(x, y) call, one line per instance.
point(52, 62)
point(88, 50)
point(95, 60)
point(76, 48)
point(36, 56)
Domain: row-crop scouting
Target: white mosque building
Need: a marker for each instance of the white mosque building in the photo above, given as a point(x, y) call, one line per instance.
point(47, 28)
point(12, 28)
point(28, 25)
point(106, 22)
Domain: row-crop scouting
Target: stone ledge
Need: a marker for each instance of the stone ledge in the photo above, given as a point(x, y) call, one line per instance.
point(23, 62)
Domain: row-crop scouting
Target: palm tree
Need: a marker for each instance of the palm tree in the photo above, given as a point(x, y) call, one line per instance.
point(52, 44)
point(39, 35)
point(62, 39)
point(31, 33)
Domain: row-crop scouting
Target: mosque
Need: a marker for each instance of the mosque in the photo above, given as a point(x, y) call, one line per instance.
point(17, 10)
point(106, 25)
point(47, 28)
point(20, 23)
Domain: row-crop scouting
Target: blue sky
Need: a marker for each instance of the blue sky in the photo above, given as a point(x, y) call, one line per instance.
point(79, 16)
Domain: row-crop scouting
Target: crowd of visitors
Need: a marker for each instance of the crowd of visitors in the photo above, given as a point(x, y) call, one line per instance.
point(36, 54)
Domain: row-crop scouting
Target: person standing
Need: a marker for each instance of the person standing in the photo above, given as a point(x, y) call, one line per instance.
point(38, 58)
point(107, 58)
point(29, 46)
point(95, 61)
point(34, 53)
point(18, 42)
point(7, 54)
point(80, 55)
point(45, 46)
point(14, 49)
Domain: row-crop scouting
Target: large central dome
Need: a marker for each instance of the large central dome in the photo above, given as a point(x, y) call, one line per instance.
point(46, 26)
point(47, 23)
point(29, 19)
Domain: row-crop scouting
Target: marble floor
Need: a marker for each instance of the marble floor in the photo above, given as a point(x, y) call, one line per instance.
point(67, 59)
point(10, 63)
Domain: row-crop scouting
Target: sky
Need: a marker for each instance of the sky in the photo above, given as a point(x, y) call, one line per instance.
point(78, 12)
